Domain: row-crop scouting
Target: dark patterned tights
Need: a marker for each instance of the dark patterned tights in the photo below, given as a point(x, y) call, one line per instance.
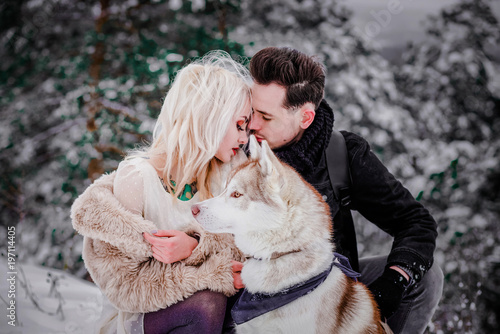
point(203, 312)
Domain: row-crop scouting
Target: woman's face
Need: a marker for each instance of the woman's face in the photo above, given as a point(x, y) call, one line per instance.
point(236, 135)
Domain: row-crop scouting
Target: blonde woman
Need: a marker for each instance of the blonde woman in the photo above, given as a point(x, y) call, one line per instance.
point(159, 271)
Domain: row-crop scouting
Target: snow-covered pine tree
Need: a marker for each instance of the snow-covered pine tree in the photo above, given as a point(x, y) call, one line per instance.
point(82, 82)
point(451, 85)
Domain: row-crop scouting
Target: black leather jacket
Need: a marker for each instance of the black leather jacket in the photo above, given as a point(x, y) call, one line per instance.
point(383, 200)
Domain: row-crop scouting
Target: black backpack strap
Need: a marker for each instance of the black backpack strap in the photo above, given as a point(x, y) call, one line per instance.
point(338, 168)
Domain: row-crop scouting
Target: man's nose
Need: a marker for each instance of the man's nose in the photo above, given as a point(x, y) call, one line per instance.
point(254, 124)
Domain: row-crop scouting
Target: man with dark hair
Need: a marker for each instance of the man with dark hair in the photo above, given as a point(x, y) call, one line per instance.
point(292, 116)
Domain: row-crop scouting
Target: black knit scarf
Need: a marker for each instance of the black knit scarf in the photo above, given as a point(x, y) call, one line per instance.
point(305, 154)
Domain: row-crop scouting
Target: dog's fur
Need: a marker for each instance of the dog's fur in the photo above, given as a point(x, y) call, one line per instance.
point(283, 225)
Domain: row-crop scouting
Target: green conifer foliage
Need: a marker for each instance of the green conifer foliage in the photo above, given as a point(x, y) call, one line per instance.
point(81, 83)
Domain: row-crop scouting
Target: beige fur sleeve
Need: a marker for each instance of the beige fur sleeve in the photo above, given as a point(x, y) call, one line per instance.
point(98, 214)
point(120, 260)
point(149, 285)
point(211, 243)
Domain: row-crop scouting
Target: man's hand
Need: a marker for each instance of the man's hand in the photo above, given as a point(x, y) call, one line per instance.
point(170, 246)
point(388, 291)
point(237, 266)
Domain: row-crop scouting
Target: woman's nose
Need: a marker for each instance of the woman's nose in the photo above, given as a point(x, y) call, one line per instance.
point(243, 139)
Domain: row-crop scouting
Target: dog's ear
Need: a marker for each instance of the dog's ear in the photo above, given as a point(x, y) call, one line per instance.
point(271, 166)
point(268, 160)
point(254, 147)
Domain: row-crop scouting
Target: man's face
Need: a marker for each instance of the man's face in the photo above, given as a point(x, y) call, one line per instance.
point(270, 121)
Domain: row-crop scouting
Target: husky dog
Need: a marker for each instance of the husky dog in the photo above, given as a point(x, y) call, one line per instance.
point(283, 226)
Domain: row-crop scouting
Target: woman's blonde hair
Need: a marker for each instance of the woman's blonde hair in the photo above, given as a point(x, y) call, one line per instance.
point(194, 118)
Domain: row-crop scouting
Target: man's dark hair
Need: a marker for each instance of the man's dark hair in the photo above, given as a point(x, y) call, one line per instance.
point(301, 75)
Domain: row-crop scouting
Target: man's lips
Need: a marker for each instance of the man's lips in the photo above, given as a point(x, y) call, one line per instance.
point(259, 139)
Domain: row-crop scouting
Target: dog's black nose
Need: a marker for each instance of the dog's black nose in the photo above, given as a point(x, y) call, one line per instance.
point(195, 210)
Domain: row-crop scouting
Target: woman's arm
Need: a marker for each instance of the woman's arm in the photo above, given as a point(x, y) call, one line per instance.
point(120, 260)
point(98, 214)
point(150, 285)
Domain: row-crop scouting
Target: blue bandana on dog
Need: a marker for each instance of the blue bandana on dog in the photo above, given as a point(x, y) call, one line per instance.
point(251, 305)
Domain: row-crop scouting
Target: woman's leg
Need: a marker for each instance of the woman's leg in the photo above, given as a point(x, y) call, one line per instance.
point(203, 312)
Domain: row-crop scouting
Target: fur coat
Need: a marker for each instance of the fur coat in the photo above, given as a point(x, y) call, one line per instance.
point(120, 260)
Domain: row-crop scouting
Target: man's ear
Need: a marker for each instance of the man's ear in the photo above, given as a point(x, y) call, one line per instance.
point(308, 115)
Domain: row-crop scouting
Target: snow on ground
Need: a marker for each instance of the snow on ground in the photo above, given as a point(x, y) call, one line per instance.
point(47, 301)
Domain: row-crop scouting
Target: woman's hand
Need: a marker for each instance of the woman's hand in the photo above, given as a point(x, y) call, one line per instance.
point(170, 246)
point(237, 266)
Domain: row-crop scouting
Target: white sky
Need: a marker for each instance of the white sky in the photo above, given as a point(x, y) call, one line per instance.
point(401, 27)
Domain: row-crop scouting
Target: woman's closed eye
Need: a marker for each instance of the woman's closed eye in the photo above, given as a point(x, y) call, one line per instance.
point(242, 125)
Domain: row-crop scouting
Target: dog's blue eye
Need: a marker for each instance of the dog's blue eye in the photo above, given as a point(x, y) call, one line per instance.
point(236, 194)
